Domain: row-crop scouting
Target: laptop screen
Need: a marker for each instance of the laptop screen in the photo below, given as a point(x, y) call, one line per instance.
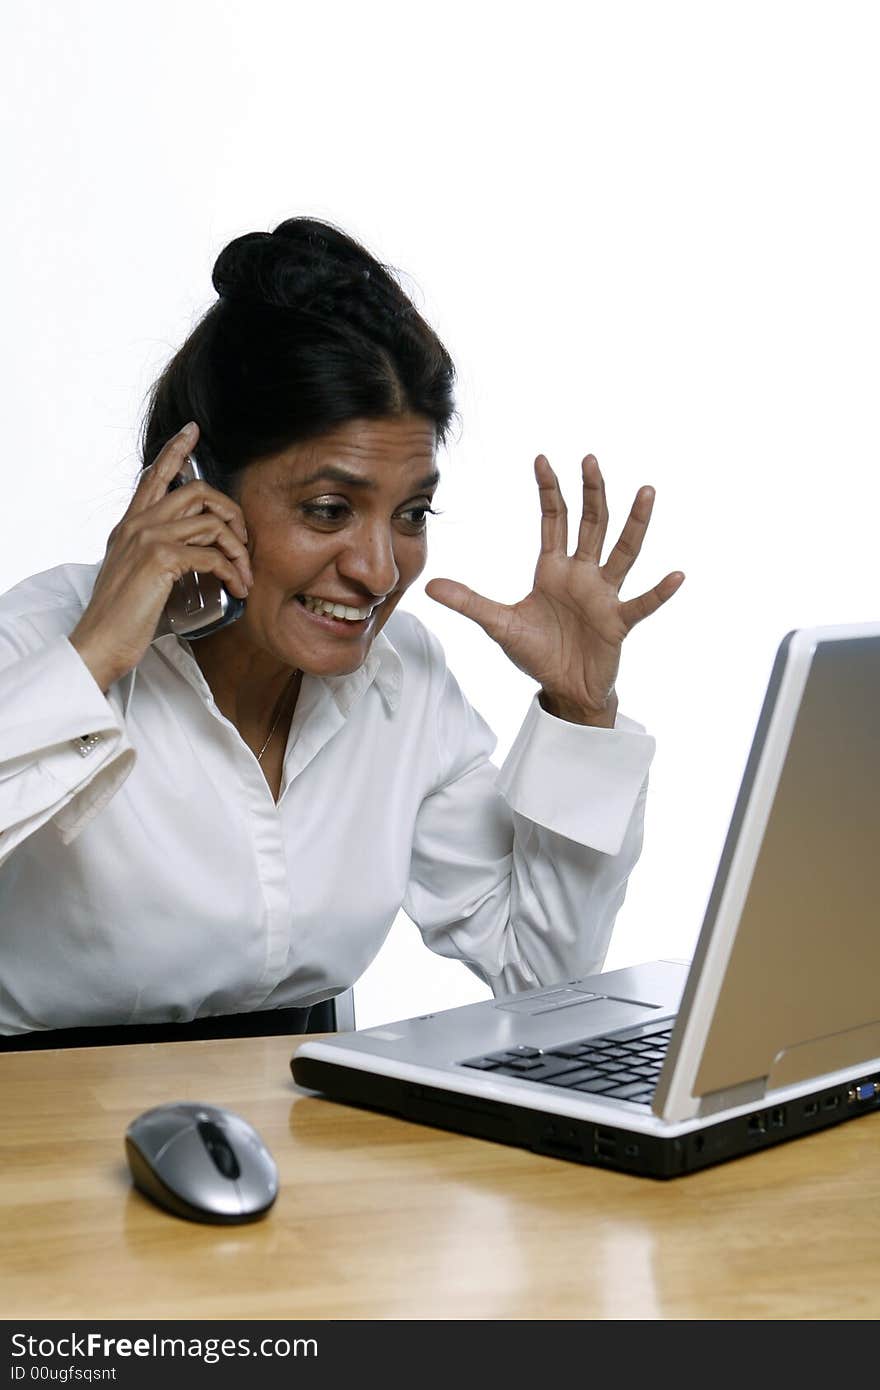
point(804, 962)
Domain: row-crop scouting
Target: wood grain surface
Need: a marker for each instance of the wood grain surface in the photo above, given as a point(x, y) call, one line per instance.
point(378, 1218)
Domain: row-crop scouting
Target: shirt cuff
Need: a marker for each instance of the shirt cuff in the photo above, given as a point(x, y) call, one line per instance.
point(63, 746)
point(579, 781)
point(85, 805)
point(102, 751)
point(52, 703)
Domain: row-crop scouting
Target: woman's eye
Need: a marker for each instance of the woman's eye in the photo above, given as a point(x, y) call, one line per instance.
point(326, 511)
point(332, 513)
point(417, 516)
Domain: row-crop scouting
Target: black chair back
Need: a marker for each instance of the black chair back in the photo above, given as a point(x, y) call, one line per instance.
point(326, 1017)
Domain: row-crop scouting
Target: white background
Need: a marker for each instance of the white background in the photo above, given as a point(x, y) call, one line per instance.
point(645, 230)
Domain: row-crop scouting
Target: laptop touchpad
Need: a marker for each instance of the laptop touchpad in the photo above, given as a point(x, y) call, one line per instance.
point(548, 1001)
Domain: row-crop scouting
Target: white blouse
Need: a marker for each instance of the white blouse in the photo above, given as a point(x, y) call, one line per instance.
point(147, 874)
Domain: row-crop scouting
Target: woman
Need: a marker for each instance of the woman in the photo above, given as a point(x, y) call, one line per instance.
point(201, 828)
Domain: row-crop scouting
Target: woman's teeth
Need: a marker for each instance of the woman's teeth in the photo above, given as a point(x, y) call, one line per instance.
point(334, 610)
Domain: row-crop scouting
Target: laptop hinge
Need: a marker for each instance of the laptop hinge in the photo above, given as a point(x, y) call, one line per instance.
point(746, 1093)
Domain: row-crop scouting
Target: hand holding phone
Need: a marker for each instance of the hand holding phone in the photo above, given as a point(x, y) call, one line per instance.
point(198, 603)
point(167, 532)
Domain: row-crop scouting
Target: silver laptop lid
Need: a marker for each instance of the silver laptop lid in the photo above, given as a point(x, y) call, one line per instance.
point(785, 983)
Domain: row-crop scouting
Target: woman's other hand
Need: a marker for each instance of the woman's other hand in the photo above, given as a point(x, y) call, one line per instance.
point(162, 536)
point(567, 633)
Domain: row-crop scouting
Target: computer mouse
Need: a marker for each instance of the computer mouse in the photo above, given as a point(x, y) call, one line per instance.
point(201, 1162)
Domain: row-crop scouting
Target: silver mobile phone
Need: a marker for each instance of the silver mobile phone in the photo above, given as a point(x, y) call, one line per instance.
point(198, 603)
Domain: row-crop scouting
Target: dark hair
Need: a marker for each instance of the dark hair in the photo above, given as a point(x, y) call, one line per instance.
point(309, 331)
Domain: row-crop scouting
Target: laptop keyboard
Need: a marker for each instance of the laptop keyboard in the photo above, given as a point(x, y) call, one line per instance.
point(622, 1066)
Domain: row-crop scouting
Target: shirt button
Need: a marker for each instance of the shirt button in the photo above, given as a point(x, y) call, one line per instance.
point(87, 743)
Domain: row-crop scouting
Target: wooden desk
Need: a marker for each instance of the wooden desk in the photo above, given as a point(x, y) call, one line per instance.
point(378, 1218)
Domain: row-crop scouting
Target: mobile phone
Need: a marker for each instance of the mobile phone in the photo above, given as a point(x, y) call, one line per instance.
point(198, 603)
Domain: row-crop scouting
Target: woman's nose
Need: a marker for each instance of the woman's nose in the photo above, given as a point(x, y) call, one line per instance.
point(370, 561)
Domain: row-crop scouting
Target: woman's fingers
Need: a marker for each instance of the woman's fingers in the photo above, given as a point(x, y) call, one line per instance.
point(153, 487)
point(594, 514)
point(626, 551)
point(492, 617)
point(199, 497)
point(204, 529)
point(184, 559)
point(635, 609)
point(153, 482)
point(554, 513)
point(195, 496)
point(162, 536)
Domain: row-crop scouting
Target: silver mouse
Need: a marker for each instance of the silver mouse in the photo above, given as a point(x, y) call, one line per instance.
point(201, 1162)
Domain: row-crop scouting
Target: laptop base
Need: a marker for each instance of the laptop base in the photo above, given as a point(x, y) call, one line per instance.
point(584, 1141)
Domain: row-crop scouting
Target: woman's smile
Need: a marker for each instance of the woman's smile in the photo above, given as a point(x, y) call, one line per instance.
point(338, 617)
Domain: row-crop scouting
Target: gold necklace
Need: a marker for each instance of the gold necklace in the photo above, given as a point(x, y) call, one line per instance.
point(281, 698)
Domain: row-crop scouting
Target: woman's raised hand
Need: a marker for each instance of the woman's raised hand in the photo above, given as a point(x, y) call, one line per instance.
point(567, 633)
point(162, 536)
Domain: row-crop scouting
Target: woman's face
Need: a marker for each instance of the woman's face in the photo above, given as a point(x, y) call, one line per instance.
point(338, 520)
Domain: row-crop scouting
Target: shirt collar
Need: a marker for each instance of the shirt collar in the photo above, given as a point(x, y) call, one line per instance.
point(383, 665)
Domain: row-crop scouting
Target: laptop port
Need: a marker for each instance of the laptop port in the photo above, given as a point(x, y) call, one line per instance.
point(564, 1142)
point(811, 1108)
point(758, 1123)
point(777, 1117)
point(863, 1090)
point(831, 1102)
point(605, 1144)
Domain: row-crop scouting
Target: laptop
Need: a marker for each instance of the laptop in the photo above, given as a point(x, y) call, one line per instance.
point(773, 1032)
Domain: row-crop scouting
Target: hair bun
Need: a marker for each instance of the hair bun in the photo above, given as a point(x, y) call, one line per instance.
point(305, 265)
point(258, 269)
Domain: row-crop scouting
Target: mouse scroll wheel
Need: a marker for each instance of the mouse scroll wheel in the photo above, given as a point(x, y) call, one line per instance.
point(217, 1144)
